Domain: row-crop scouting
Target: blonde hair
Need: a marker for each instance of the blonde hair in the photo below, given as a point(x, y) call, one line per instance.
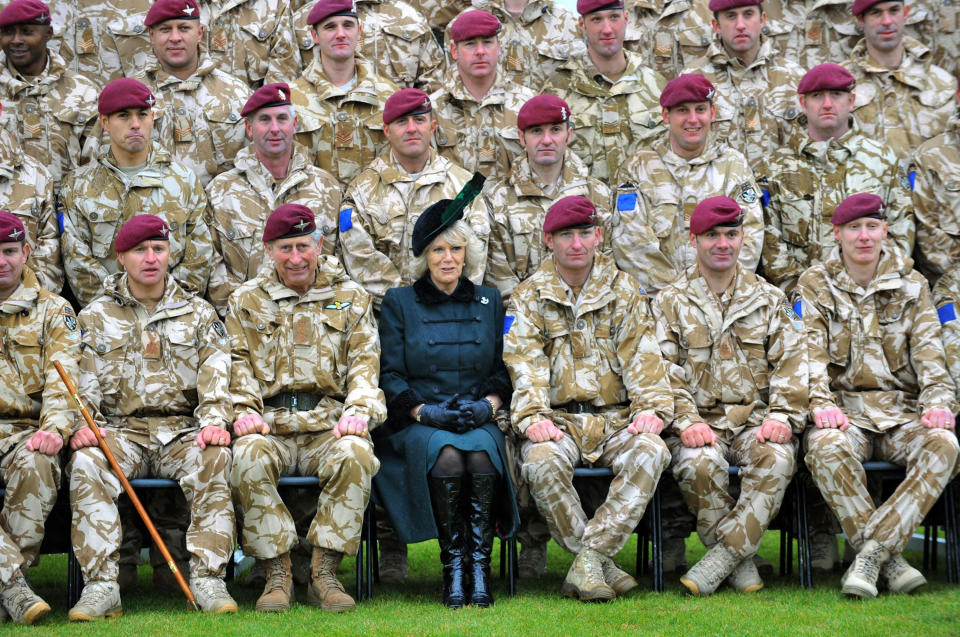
point(457, 235)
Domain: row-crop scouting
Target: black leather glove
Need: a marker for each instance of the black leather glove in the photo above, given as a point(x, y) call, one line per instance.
point(474, 413)
point(442, 415)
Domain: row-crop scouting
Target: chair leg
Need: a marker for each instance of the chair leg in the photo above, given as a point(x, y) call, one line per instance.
point(372, 561)
point(657, 534)
point(926, 548)
point(803, 533)
point(934, 548)
point(74, 579)
point(953, 535)
point(511, 551)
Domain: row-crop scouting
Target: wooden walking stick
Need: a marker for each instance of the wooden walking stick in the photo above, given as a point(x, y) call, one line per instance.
point(126, 484)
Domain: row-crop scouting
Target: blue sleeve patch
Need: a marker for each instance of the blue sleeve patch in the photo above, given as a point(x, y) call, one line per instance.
point(947, 312)
point(508, 323)
point(913, 179)
point(798, 307)
point(627, 201)
point(765, 198)
point(60, 221)
point(346, 219)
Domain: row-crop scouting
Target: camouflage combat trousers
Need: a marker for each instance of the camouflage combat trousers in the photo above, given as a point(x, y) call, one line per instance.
point(345, 468)
point(31, 479)
point(765, 472)
point(834, 458)
point(637, 462)
point(202, 474)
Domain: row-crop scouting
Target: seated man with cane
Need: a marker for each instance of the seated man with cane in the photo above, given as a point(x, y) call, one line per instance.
point(155, 371)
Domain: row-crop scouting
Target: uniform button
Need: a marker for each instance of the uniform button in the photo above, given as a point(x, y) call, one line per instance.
point(231, 235)
point(581, 324)
point(260, 326)
point(477, 341)
point(431, 342)
point(173, 226)
point(83, 24)
point(233, 117)
point(101, 348)
point(765, 30)
point(327, 229)
point(684, 342)
point(31, 108)
point(341, 116)
point(514, 42)
point(485, 133)
point(181, 111)
point(435, 389)
point(262, 34)
point(406, 36)
point(703, 42)
point(563, 56)
point(152, 327)
point(476, 318)
point(791, 113)
point(441, 140)
point(307, 43)
point(138, 28)
point(95, 216)
point(219, 23)
point(752, 102)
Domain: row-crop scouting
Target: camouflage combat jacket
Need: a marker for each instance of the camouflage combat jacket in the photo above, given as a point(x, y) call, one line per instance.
point(480, 136)
point(51, 114)
point(379, 210)
point(396, 41)
point(934, 23)
point(520, 204)
point(97, 199)
point(36, 328)
point(342, 130)
point(936, 201)
point(651, 216)
point(734, 361)
point(812, 32)
point(906, 106)
point(240, 201)
point(806, 180)
point(162, 373)
point(875, 352)
point(756, 105)
point(599, 349)
point(611, 120)
point(26, 190)
point(946, 298)
point(324, 342)
point(680, 36)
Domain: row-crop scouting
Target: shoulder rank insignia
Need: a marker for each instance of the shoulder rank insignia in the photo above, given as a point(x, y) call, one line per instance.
point(338, 305)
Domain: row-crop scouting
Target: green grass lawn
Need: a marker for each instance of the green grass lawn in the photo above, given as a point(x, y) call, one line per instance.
point(780, 609)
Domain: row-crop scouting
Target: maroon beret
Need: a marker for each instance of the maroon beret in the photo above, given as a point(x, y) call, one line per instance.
point(543, 109)
point(327, 8)
point(406, 101)
point(124, 93)
point(826, 77)
point(163, 10)
point(859, 6)
point(856, 206)
point(11, 228)
point(25, 12)
point(574, 211)
point(267, 95)
point(715, 211)
point(689, 87)
point(139, 229)
point(589, 6)
point(723, 5)
point(289, 220)
point(474, 24)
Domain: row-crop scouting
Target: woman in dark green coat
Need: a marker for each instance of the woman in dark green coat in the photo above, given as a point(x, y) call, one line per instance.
point(443, 465)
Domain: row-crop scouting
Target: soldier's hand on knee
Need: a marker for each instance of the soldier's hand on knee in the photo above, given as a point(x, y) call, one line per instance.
point(47, 442)
point(646, 424)
point(698, 435)
point(774, 431)
point(85, 438)
point(350, 426)
point(213, 435)
point(934, 419)
point(250, 424)
point(543, 431)
point(831, 418)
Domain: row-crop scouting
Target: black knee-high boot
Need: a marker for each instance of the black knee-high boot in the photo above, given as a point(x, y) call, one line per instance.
point(445, 494)
point(482, 494)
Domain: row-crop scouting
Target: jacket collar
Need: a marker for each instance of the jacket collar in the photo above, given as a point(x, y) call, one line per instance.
point(428, 293)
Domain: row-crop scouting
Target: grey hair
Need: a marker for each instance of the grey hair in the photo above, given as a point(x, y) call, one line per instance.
point(458, 235)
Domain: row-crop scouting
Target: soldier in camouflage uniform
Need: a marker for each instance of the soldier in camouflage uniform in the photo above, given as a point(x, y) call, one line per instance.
point(812, 32)
point(47, 108)
point(936, 200)
point(548, 171)
point(946, 298)
point(678, 36)
point(37, 328)
point(806, 179)
point(26, 190)
point(902, 98)
point(477, 111)
point(396, 40)
point(439, 13)
point(307, 412)
point(536, 37)
point(132, 176)
point(612, 94)
point(663, 184)
point(879, 388)
point(737, 359)
point(381, 206)
point(155, 373)
point(934, 23)
point(339, 99)
point(272, 170)
point(756, 110)
point(589, 388)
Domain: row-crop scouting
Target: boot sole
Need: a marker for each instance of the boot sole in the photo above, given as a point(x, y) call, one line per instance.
point(569, 590)
point(224, 609)
point(858, 589)
point(691, 586)
point(35, 613)
point(80, 616)
point(752, 588)
point(909, 586)
point(315, 600)
point(624, 586)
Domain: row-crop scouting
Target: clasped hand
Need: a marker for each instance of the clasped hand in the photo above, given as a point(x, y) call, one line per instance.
point(457, 414)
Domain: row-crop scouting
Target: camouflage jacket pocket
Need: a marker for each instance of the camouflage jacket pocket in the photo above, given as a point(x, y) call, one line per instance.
point(27, 355)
